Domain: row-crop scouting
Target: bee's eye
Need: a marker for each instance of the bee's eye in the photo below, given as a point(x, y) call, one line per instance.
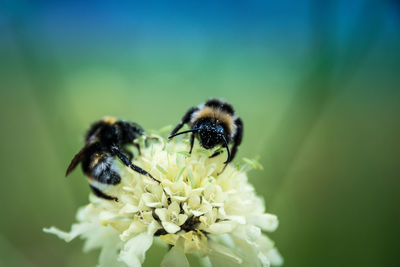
point(220, 129)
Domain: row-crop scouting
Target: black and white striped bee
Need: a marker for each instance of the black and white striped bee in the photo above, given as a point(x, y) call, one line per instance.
point(213, 123)
point(105, 140)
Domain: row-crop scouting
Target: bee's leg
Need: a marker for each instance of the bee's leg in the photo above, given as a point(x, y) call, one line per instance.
point(129, 164)
point(138, 148)
point(98, 193)
point(129, 153)
point(237, 138)
point(216, 153)
point(229, 159)
point(185, 119)
point(191, 143)
point(223, 169)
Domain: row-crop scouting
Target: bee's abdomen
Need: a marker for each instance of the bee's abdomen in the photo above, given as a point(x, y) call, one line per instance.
point(101, 169)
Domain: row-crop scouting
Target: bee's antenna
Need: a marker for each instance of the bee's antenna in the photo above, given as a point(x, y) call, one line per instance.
point(188, 131)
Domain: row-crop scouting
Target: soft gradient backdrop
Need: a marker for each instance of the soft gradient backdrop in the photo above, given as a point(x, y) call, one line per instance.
point(316, 83)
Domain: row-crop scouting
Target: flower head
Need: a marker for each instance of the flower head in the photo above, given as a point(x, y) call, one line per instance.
point(192, 209)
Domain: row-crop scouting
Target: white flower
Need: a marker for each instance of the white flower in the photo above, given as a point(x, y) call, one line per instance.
point(196, 204)
point(193, 209)
point(154, 197)
point(171, 218)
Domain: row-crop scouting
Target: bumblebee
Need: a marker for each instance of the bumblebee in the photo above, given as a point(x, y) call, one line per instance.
point(213, 123)
point(105, 140)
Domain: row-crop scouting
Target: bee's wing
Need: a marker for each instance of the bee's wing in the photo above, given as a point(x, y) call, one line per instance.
point(75, 161)
point(78, 157)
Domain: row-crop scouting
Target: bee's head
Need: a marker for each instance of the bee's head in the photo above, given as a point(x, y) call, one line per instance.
point(131, 131)
point(210, 134)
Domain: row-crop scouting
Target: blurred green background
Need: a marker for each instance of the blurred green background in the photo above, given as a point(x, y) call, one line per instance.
point(316, 83)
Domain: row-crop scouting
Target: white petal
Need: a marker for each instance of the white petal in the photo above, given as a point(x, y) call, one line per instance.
point(247, 247)
point(219, 251)
point(225, 239)
point(153, 227)
point(217, 204)
point(267, 222)
point(99, 235)
point(179, 198)
point(196, 191)
point(253, 232)
point(170, 227)
point(89, 212)
point(164, 200)
point(166, 188)
point(133, 253)
point(174, 207)
point(263, 259)
point(175, 258)
point(135, 228)
point(154, 204)
point(265, 244)
point(238, 219)
point(222, 213)
point(222, 227)
point(182, 219)
point(129, 208)
point(197, 213)
point(109, 254)
point(76, 230)
point(106, 216)
point(162, 214)
point(194, 201)
point(186, 208)
point(151, 201)
point(217, 260)
point(274, 257)
point(253, 245)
